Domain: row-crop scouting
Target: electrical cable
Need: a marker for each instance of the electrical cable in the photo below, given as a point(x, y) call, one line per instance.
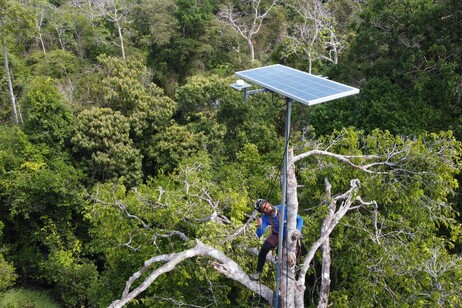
point(279, 262)
point(284, 249)
point(284, 294)
point(287, 278)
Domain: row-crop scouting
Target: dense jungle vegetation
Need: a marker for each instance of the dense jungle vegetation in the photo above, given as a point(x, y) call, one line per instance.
point(121, 140)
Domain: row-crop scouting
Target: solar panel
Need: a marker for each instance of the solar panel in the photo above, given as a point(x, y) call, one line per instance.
point(297, 85)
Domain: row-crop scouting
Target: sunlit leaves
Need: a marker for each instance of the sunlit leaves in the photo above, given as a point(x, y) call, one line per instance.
point(102, 141)
point(14, 18)
point(47, 119)
point(173, 145)
point(127, 89)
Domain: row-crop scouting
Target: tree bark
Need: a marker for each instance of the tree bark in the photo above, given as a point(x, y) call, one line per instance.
point(252, 49)
point(326, 260)
point(225, 265)
point(330, 222)
point(16, 111)
point(42, 43)
point(40, 22)
point(325, 275)
point(121, 38)
point(288, 276)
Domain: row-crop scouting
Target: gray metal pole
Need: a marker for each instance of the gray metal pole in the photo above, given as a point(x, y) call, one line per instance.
point(282, 217)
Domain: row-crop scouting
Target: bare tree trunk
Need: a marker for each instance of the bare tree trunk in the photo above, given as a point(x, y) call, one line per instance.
point(288, 277)
point(325, 276)
point(116, 12)
point(60, 32)
point(42, 43)
point(40, 21)
point(10, 86)
point(78, 38)
point(326, 260)
point(252, 50)
point(121, 38)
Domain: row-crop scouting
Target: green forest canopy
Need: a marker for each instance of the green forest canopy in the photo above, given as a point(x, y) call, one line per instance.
point(129, 143)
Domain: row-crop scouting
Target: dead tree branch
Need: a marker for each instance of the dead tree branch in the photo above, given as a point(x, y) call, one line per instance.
point(222, 264)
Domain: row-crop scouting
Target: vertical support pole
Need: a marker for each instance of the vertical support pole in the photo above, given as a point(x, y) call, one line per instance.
point(282, 217)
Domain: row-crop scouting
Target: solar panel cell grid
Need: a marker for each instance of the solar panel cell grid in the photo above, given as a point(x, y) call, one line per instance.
point(300, 86)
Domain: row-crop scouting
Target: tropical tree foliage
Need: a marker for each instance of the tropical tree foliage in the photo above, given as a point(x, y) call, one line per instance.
point(407, 64)
point(123, 151)
point(102, 142)
point(48, 119)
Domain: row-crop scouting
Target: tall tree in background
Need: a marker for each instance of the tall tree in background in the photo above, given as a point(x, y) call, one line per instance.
point(15, 19)
point(42, 10)
point(118, 12)
point(60, 24)
point(315, 33)
point(247, 19)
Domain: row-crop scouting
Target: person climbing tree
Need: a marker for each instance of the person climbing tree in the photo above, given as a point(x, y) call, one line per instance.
point(271, 216)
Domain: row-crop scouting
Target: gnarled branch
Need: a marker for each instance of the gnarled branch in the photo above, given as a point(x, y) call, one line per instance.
point(222, 263)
